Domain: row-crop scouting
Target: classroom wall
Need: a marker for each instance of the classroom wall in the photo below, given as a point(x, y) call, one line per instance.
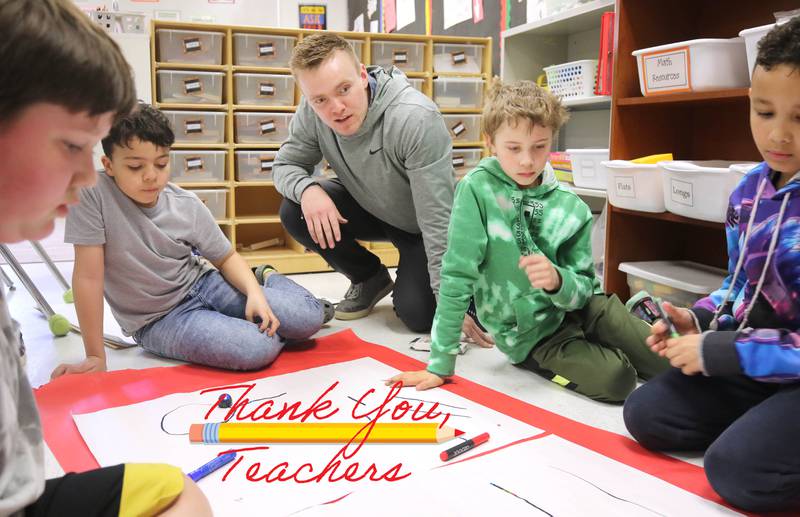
point(265, 13)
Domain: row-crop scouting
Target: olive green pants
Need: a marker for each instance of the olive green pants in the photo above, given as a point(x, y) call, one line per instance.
point(597, 351)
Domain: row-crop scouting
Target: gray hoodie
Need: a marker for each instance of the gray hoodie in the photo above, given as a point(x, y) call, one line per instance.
point(397, 166)
point(21, 445)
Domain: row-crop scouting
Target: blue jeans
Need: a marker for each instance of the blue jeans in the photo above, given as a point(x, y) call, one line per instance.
point(209, 326)
point(748, 429)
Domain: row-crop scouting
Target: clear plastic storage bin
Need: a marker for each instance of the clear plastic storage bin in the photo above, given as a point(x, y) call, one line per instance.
point(263, 50)
point(215, 199)
point(190, 87)
point(417, 84)
point(464, 160)
point(405, 55)
point(193, 166)
point(458, 92)
point(694, 65)
point(679, 282)
point(262, 128)
point(457, 58)
point(358, 48)
point(197, 127)
point(699, 189)
point(463, 128)
point(574, 80)
point(254, 165)
point(264, 89)
point(588, 170)
point(179, 46)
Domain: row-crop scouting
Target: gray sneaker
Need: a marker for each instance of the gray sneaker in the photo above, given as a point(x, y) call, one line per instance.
point(362, 297)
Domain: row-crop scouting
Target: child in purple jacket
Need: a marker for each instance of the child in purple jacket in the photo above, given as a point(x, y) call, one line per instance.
point(735, 388)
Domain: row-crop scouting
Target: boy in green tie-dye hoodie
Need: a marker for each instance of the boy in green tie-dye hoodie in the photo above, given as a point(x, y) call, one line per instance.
point(520, 243)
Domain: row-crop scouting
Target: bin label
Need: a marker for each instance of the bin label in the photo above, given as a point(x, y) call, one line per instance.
point(666, 71)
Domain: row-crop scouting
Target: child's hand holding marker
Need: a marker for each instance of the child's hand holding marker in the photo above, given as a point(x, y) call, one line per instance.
point(676, 337)
point(541, 272)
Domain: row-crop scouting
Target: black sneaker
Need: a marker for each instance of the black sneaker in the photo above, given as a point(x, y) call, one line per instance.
point(362, 297)
point(327, 310)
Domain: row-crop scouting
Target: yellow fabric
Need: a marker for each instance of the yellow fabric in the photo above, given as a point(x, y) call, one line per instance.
point(560, 380)
point(149, 488)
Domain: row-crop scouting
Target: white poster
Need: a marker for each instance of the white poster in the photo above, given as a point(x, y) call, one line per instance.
point(521, 470)
point(456, 11)
point(358, 23)
point(406, 13)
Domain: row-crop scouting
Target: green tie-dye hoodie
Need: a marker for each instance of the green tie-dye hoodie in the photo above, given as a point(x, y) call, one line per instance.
point(493, 223)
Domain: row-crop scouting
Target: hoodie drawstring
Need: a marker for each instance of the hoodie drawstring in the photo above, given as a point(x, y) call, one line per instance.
point(740, 263)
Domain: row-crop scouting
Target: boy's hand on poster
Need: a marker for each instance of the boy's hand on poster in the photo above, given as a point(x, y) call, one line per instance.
point(541, 272)
point(684, 353)
point(422, 379)
point(659, 334)
point(91, 364)
point(257, 307)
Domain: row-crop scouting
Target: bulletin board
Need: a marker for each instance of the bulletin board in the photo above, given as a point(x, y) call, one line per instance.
point(497, 15)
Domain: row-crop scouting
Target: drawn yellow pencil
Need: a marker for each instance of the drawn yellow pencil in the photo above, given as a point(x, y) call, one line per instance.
point(320, 432)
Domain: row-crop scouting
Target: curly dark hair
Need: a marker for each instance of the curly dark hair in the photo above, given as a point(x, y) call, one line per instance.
point(781, 46)
point(146, 123)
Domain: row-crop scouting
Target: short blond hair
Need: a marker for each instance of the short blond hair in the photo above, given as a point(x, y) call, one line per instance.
point(518, 101)
point(313, 50)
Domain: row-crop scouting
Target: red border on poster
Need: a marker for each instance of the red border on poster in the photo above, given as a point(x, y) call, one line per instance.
point(86, 393)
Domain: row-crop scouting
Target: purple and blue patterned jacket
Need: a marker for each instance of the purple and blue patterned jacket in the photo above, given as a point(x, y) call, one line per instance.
point(756, 332)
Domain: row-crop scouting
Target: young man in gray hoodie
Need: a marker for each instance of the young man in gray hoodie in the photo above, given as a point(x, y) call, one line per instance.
point(390, 149)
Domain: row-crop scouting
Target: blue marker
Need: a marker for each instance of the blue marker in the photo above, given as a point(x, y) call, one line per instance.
point(211, 466)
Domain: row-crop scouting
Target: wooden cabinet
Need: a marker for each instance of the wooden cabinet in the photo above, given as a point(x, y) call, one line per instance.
point(692, 126)
point(251, 215)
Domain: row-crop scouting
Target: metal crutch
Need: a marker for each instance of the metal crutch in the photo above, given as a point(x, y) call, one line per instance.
point(7, 279)
point(59, 325)
point(53, 269)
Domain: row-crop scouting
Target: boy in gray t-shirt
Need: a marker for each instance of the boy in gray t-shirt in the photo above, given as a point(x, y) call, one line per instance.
point(137, 239)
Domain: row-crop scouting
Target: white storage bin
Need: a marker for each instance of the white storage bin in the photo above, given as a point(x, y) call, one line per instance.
point(751, 39)
point(417, 84)
point(262, 128)
point(358, 48)
point(463, 128)
point(635, 186)
point(178, 46)
point(263, 50)
point(264, 89)
point(190, 87)
point(215, 199)
point(464, 59)
point(699, 189)
point(254, 165)
point(679, 282)
point(405, 55)
point(193, 127)
point(458, 92)
point(573, 80)
point(587, 168)
point(464, 160)
point(192, 166)
point(695, 65)
point(743, 168)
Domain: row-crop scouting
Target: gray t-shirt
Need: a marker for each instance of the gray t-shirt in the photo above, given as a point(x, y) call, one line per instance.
point(21, 449)
point(149, 264)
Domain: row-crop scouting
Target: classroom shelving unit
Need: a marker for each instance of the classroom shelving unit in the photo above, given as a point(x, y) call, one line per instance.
point(692, 126)
point(251, 208)
point(569, 35)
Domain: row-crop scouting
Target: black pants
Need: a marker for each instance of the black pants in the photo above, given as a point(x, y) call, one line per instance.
point(95, 493)
point(413, 297)
point(749, 430)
